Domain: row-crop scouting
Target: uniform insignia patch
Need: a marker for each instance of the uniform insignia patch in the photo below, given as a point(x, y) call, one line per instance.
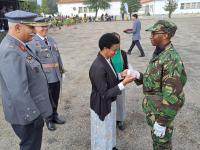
point(29, 58)
point(37, 45)
point(22, 47)
point(11, 46)
point(48, 55)
point(44, 49)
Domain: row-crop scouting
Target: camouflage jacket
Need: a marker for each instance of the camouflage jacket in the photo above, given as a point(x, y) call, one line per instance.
point(163, 84)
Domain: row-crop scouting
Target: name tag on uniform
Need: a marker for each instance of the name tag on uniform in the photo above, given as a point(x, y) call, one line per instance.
point(43, 49)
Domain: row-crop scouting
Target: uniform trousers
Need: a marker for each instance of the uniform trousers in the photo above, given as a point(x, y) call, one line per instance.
point(54, 93)
point(137, 43)
point(160, 143)
point(30, 135)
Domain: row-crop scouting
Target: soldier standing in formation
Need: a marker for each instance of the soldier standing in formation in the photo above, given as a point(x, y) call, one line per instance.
point(163, 84)
point(45, 48)
point(24, 86)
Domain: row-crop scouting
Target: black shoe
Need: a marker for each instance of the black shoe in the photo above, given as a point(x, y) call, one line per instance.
point(50, 126)
point(120, 125)
point(142, 56)
point(129, 53)
point(114, 148)
point(58, 120)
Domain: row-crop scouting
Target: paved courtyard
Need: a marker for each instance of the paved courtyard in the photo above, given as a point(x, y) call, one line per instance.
point(79, 46)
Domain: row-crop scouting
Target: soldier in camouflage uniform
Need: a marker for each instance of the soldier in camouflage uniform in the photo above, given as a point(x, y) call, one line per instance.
point(163, 84)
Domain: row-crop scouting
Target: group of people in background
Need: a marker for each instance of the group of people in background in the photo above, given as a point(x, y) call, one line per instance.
point(31, 73)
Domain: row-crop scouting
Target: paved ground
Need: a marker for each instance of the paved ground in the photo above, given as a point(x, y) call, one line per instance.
point(78, 47)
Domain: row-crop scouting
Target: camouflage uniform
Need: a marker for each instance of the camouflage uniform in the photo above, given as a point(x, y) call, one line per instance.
point(163, 84)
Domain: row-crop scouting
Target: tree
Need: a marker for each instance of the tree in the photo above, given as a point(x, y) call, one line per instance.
point(52, 6)
point(97, 4)
point(44, 8)
point(171, 6)
point(28, 5)
point(123, 9)
point(133, 6)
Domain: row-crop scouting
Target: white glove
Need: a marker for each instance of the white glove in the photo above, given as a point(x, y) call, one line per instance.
point(159, 130)
point(133, 72)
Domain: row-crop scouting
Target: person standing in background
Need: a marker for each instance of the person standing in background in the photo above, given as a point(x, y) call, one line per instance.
point(120, 63)
point(45, 48)
point(136, 36)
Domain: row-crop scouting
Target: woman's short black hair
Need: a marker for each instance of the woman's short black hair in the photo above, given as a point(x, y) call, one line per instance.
point(135, 15)
point(107, 40)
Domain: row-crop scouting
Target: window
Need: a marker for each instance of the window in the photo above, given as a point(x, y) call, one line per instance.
point(198, 5)
point(187, 5)
point(151, 8)
point(85, 10)
point(80, 10)
point(193, 6)
point(91, 10)
point(182, 5)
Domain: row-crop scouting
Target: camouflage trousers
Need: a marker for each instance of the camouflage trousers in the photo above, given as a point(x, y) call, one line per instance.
point(160, 143)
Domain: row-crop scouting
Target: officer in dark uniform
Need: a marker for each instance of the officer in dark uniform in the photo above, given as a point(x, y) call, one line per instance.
point(45, 48)
point(23, 82)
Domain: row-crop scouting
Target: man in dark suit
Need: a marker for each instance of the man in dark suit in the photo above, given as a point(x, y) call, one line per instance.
point(136, 35)
point(105, 88)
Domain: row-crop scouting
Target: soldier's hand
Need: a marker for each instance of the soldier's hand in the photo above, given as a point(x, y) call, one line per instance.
point(159, 130)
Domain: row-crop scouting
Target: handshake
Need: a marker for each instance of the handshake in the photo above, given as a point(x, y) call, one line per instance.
point(129, 75)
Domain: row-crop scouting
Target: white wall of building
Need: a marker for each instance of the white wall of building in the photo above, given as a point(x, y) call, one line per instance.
point(114, 9)
point(69, 9)
point(72, 9)
point(156, 7)
point(190, 6)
